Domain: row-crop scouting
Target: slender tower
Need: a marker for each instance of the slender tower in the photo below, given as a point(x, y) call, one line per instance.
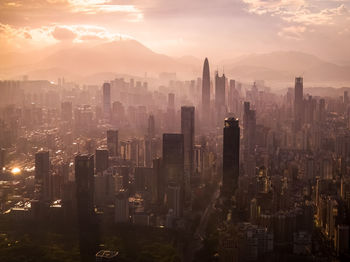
point(230, 157)
point(206, 90)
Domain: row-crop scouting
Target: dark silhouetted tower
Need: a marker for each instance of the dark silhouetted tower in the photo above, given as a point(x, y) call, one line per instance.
point(42, 175)
point(220, 108)
point(112, 142)
point(84, 179)
point(298, 103)
point(101, 159)
point(173, 157)
point(151, 127)
point(206, 90)
point(230, 156)
point(106, 99)
point(187, 129)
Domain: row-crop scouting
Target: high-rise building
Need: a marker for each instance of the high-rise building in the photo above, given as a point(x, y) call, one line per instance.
point(220, 82)
point(173, 158)
point(230, 156)
point(122, 207)
point(106, 99)
point(84, 179)
point(42, 175)
point(101, 159)
point(249, 140)
point(187, 129)
point(171, 113)
point(151, 127)
point(206, 90)
point(298, 103)
point(112, 142)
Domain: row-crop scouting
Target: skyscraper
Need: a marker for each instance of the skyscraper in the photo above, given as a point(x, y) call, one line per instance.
point(101, 159)
point(220, 106)
point(106, 99)
point(84, 179)
point(112, 142)
point(187, 129)
point(230, 156)
point(249, 140)
point(151, 127)
point(206, 90)
point(42, 174)
point(298, 103)
point(173, 158)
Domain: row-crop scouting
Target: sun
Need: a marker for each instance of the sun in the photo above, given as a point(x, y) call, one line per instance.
point(15, 171)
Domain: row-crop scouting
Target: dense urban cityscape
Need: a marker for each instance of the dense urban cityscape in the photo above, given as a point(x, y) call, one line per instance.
point(174, 131)
point(199, 170)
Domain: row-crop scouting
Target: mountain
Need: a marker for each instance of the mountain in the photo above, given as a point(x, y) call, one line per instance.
point(282, 66)
point(91, 64)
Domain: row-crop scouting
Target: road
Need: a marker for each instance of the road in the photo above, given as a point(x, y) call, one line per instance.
point(199, 234)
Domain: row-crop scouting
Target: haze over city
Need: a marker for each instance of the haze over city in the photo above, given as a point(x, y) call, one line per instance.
point(158, 130)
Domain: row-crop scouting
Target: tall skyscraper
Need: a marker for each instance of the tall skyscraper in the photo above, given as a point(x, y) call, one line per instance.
point(151, 127)
point(230, 156)
point(171, 113)
point(187, 129)
point(249, 140)
point(84, 179)
point(106, 99)
point(298, 103)
point(220, 82)
point(101, 159)
point(206, 90)
point(112, 142)
point(173, 158)
point(42, 175)
point(220, 106)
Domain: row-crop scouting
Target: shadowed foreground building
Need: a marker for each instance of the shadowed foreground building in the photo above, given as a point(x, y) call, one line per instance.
point(84, 178)
point(230, 157)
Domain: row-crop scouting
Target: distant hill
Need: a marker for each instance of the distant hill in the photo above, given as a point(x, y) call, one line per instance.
point(286, 65)
point(91, 64)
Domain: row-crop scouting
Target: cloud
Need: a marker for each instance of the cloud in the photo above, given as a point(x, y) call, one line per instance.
point(63, 34)
point(292, 32)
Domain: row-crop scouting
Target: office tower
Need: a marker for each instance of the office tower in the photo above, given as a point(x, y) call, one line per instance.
point(298, 103)
point(220, 106)
point(249, 140)
point(173, 158)
point(101, 159)
point(249, 127)
point(84, 180)
point(151, 127)
point(66, 111)
point(122, 207)
point(42, 175)
point(170, 121)
point(112, 142)
point(106, 99)
point(220, 82)
point(230, 157)
point(205, 91)
point(187, 129)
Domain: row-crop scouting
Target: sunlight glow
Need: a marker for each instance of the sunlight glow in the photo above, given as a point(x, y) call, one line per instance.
point(15, 171)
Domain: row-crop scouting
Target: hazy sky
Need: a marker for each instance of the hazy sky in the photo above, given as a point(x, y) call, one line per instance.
point(220, 28)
